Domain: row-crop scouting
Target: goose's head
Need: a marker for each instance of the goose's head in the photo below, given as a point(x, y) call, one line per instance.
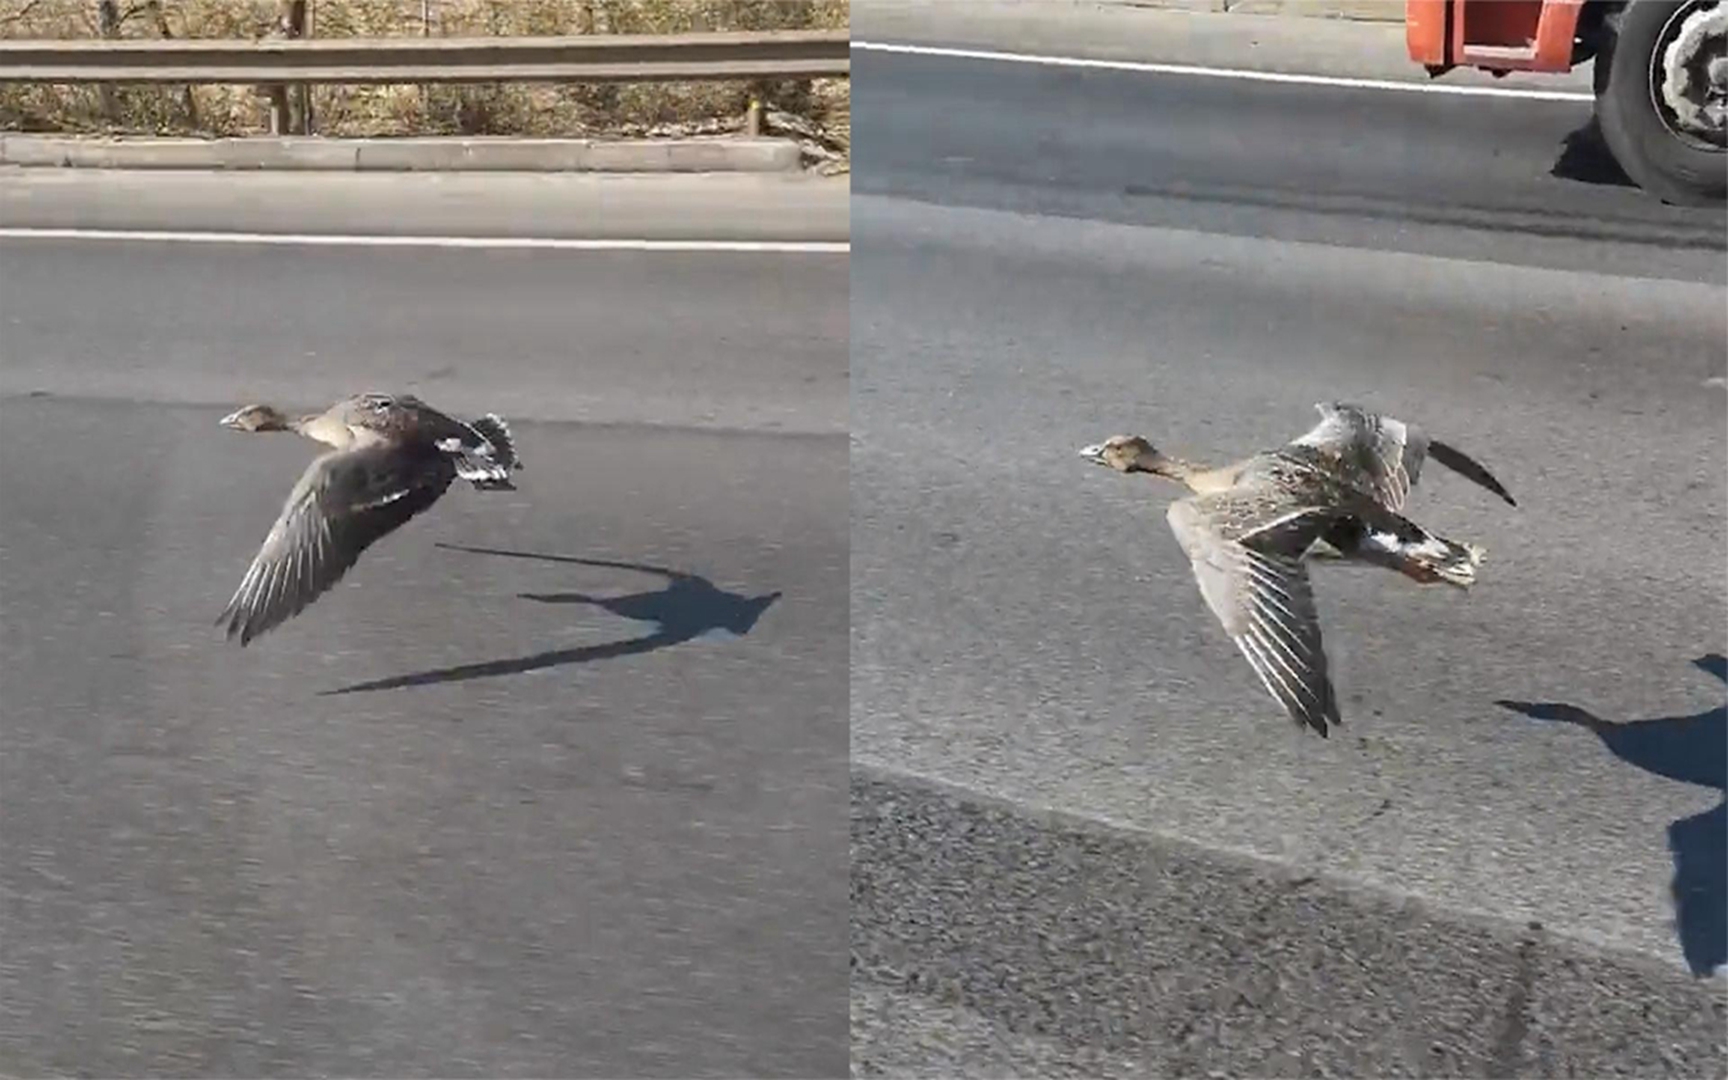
point(1126, 453)
point(256, 418)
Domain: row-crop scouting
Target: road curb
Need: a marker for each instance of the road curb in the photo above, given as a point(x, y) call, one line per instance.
point(1193, 961)
point(415, 154)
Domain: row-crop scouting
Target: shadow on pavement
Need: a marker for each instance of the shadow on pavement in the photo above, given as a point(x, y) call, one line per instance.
point(688, 607)
point(1692, 750)
point(1585, 157)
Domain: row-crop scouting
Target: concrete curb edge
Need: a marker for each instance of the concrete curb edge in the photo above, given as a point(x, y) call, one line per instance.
point(410, 154)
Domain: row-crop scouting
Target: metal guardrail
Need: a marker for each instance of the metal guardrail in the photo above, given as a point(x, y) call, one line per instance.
point(787, 54)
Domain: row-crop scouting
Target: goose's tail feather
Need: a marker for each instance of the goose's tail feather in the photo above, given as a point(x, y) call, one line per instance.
point(1382, 538)
point(495, 431)
point(1428, 559)
point(488, 459)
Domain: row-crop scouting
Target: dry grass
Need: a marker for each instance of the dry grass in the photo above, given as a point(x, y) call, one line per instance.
point(820, 106)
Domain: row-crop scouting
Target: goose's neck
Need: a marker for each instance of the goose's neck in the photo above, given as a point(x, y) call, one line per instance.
point(1174, 468)
point(297, 425)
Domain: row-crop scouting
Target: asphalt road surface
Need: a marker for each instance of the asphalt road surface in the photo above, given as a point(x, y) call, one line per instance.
point(1085, 840)
point(553, 784)
point(722, 206)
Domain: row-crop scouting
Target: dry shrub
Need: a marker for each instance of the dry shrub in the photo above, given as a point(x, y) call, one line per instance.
point(497, 109)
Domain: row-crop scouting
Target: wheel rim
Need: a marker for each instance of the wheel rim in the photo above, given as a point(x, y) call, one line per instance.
point(1688, 75)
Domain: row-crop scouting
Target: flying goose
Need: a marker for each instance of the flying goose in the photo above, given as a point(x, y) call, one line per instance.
point(392, 457)
point(1336, 491)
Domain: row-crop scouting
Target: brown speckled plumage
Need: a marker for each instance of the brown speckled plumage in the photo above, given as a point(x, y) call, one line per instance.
point(391, 459)
point(1249, 529)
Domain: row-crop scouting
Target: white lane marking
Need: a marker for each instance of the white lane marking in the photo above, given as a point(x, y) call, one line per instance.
point(815, 247)
point(1225, 73)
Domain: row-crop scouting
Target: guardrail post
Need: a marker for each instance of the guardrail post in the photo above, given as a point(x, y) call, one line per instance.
point(108, 25)
point(425, 32)
point(300, 19)
point(290, 115)
point(166, 33)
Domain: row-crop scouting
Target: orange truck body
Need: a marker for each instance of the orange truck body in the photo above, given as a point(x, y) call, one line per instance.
point(1495, 35)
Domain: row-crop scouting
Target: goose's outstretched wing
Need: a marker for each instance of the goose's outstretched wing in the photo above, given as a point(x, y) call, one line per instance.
point(1386, 454)
point(342, 504)
point(1257, 586)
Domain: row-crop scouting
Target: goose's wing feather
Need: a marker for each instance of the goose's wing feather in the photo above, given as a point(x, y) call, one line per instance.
point(407, 418)
point(1381, 454)
point(1466, 466)
point(1257, 586)
point(373, 401)
point(399, 415)
point(1385, 455)
point(343, 503)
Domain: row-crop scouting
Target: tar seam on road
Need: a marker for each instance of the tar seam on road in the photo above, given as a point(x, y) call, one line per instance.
point(1221, 73)
point(791, 247)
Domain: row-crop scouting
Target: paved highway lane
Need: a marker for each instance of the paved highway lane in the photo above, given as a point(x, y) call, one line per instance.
point(1384, 170)
point(581, 811)
point(1083, 834)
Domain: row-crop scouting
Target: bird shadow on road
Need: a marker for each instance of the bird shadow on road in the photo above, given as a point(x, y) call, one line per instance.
point(1585, 157)
point(688, 607)
point(1692, 750)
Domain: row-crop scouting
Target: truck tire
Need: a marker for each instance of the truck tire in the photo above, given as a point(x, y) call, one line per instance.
point(1657, 150)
